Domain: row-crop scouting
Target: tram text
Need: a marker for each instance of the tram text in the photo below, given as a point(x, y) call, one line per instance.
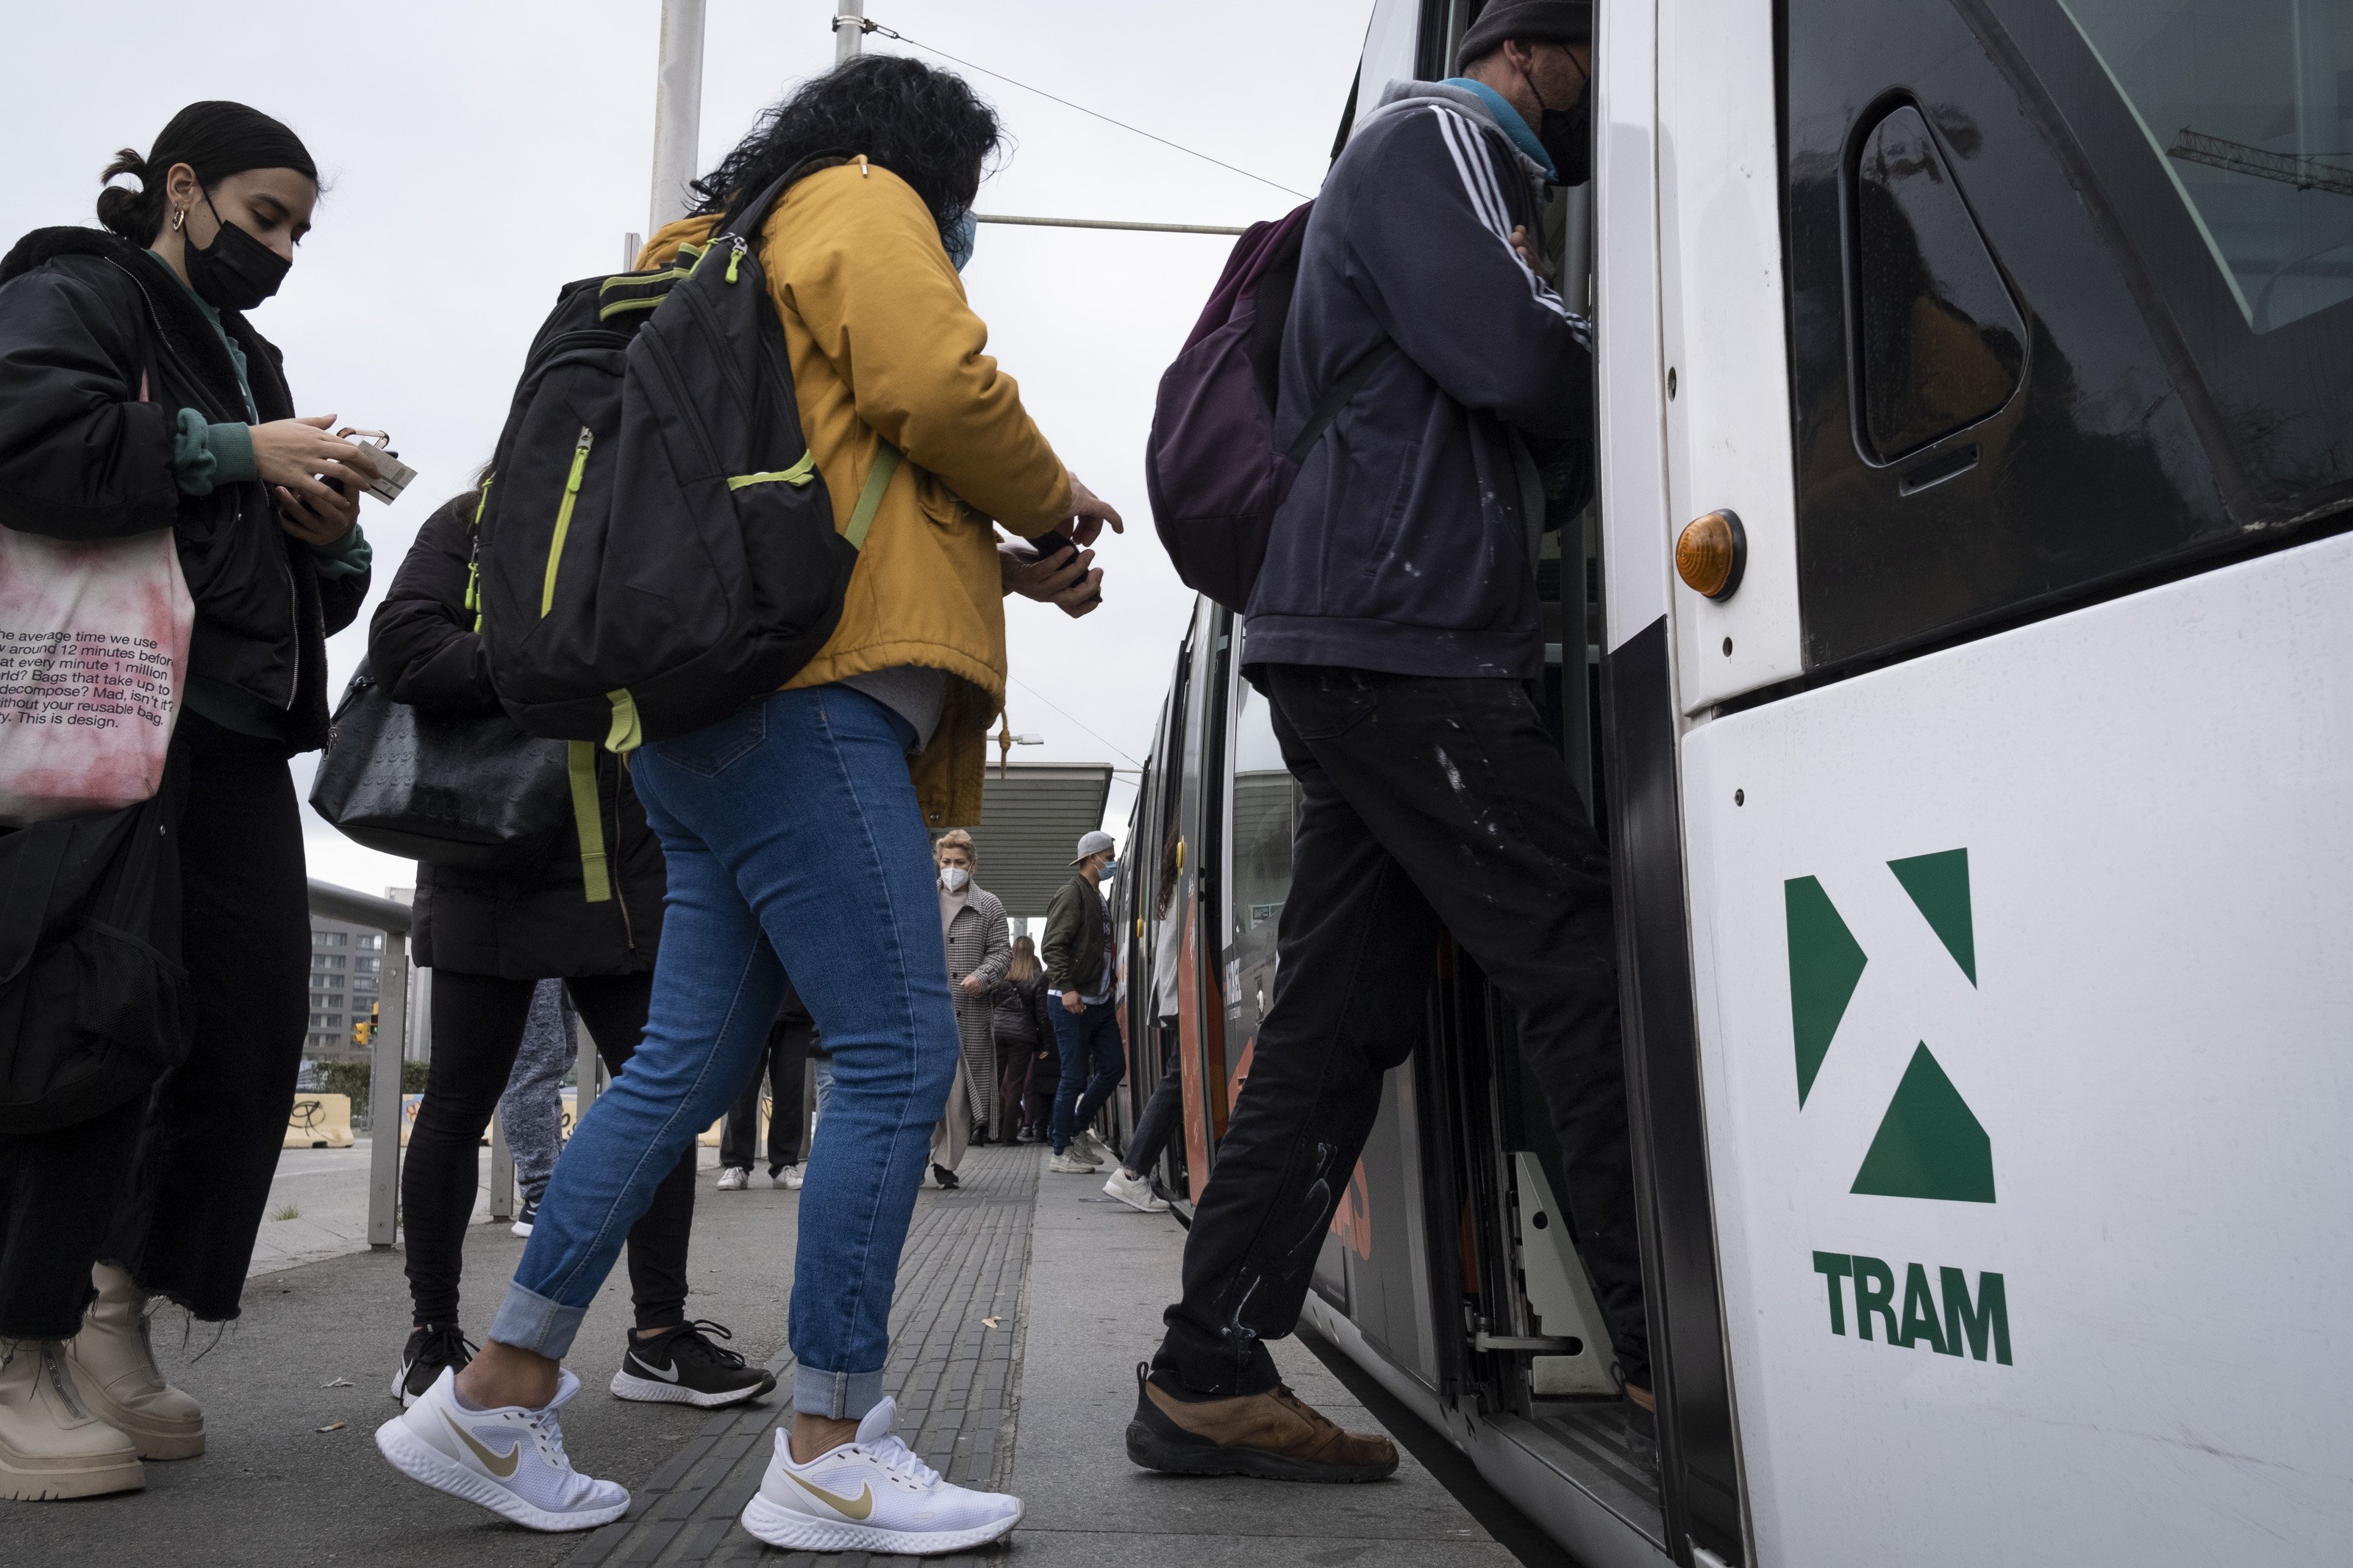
point(1942, 1326)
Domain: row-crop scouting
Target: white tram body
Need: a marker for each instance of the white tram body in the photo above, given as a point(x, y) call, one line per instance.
point(1985, 858)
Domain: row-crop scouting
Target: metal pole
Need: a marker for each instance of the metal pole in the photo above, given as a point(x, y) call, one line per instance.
point(585, 1095)
point(1106, 223)
point(678, 107)
point(848, 30)
point(383, 1094)
point(503, 1187)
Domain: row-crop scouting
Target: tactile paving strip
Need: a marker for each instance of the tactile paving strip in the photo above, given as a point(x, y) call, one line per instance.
point(957, 1382)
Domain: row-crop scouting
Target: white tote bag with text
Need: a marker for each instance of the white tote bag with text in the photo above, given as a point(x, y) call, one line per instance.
point(93, 648)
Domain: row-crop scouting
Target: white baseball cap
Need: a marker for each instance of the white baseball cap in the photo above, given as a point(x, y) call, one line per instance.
point(1091, 843)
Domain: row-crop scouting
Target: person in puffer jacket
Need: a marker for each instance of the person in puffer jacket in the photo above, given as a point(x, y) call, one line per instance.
point(136, 396)
point(1394, 629)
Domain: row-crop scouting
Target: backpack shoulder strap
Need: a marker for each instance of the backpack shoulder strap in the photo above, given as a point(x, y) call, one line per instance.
point(743, 219)
point(1352, 381)
point(869, 500)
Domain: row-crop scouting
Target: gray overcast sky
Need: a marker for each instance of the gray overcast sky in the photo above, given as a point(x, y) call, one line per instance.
point(481, 153)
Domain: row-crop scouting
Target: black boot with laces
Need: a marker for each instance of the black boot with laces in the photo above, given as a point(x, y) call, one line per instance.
point(682, 1367)
point(429, 1350)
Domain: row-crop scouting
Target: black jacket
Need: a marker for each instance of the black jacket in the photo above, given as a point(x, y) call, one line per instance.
point(1074, 947)
point(85, 319)
point(1405, 545)
point(533, 922)
point(1018, 1012)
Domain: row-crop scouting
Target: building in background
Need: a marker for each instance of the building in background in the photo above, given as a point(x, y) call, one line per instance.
point(346, 973)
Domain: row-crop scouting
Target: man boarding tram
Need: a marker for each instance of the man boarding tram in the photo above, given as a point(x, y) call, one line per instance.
point(1395, 629)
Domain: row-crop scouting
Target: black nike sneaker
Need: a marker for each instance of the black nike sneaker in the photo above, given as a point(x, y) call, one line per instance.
point(684, 1367)
point(429, 1351)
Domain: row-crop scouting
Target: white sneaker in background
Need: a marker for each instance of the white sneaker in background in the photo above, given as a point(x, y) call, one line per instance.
point(788, 1178)
point(1135, 1192)
point(1089, 1146)
point(734, 1179)
point(1070, 1164)
point(509, 1459)
point(873, 1494)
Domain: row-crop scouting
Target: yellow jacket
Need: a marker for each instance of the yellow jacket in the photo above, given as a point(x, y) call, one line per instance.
point(884, 346)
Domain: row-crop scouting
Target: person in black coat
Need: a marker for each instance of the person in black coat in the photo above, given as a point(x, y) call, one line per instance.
point(135, 397)
point(591, 919)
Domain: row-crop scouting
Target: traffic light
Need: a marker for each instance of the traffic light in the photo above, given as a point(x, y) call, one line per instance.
point(364, 1031)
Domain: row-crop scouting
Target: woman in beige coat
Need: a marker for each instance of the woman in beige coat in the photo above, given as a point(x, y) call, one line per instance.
point(973, 922)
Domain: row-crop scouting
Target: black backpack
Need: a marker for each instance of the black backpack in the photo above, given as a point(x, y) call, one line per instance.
point(656, 547)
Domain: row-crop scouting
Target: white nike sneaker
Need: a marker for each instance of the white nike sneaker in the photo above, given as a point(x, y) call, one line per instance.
point(1071, 1163)
point(734, 1179)
point(873, 1494)
point(509, 1459)
point(788, 1178)
point(1135, 1192)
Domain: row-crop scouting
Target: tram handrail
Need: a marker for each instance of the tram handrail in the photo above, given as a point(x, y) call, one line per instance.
point(384, 1048)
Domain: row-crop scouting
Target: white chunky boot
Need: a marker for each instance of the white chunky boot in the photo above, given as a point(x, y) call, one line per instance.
point(114, 1368)
point(50, 1445)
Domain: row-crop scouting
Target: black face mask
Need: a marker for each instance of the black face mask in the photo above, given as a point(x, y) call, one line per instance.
point(236, 271)
point(1567, 134)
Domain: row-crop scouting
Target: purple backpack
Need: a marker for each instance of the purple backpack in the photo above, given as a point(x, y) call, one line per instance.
point(1211, 469)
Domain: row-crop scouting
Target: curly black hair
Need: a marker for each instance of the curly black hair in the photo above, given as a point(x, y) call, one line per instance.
point(925, 126)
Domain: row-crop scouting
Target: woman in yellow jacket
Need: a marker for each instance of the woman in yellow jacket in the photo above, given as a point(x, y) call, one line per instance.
point(796, 830)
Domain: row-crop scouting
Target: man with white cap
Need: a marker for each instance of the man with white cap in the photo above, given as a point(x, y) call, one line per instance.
point(1079, 970)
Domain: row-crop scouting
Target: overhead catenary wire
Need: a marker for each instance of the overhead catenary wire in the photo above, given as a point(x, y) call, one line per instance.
point(1073, 718)
point(867, 25)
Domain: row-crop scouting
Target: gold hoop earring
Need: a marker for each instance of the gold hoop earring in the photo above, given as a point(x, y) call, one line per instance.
point(179, 217)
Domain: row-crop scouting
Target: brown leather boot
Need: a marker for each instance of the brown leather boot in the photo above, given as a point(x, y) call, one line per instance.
point(1277, 1435)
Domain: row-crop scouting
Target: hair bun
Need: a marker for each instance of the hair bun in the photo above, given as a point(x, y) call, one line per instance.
point(133, 214)
point(129, 161)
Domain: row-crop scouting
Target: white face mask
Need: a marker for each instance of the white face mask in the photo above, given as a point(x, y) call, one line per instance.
point(953, 877)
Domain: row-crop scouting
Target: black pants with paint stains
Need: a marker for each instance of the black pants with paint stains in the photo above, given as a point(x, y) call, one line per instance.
point(1428, 803)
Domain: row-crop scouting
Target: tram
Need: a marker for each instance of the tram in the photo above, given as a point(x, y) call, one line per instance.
point(1983, 849)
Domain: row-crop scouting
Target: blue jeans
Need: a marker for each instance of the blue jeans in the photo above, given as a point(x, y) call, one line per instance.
point(791, 832)
point(1093, 1061)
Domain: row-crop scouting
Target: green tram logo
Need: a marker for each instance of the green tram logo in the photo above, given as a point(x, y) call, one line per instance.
point(1930, 1144)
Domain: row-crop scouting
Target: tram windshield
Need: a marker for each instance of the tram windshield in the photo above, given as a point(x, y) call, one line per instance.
point(2247, 103)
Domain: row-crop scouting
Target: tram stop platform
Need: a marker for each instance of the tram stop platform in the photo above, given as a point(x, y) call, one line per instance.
point(1025, 1301)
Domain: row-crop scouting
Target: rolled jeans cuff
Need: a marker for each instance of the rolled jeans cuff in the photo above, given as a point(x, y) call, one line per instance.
point(529, 1322)
point(842, 1395)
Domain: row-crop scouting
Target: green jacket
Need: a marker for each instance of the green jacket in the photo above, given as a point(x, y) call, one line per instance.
point(1073, 948)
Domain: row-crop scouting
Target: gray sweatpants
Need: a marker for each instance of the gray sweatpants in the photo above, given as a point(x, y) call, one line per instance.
point(532, 1109)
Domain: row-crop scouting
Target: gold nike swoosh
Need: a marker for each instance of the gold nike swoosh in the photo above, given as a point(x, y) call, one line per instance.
point(858, 1507)
point(504, 1467)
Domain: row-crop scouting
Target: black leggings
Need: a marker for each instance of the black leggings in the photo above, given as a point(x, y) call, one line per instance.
point(477, 1023)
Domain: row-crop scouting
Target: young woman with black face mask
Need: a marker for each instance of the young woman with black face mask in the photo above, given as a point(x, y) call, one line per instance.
point(134, 397)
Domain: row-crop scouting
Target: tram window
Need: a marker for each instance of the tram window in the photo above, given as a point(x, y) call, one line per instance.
point(1262, 817)
point(2249, 104)
point(1940, 343)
